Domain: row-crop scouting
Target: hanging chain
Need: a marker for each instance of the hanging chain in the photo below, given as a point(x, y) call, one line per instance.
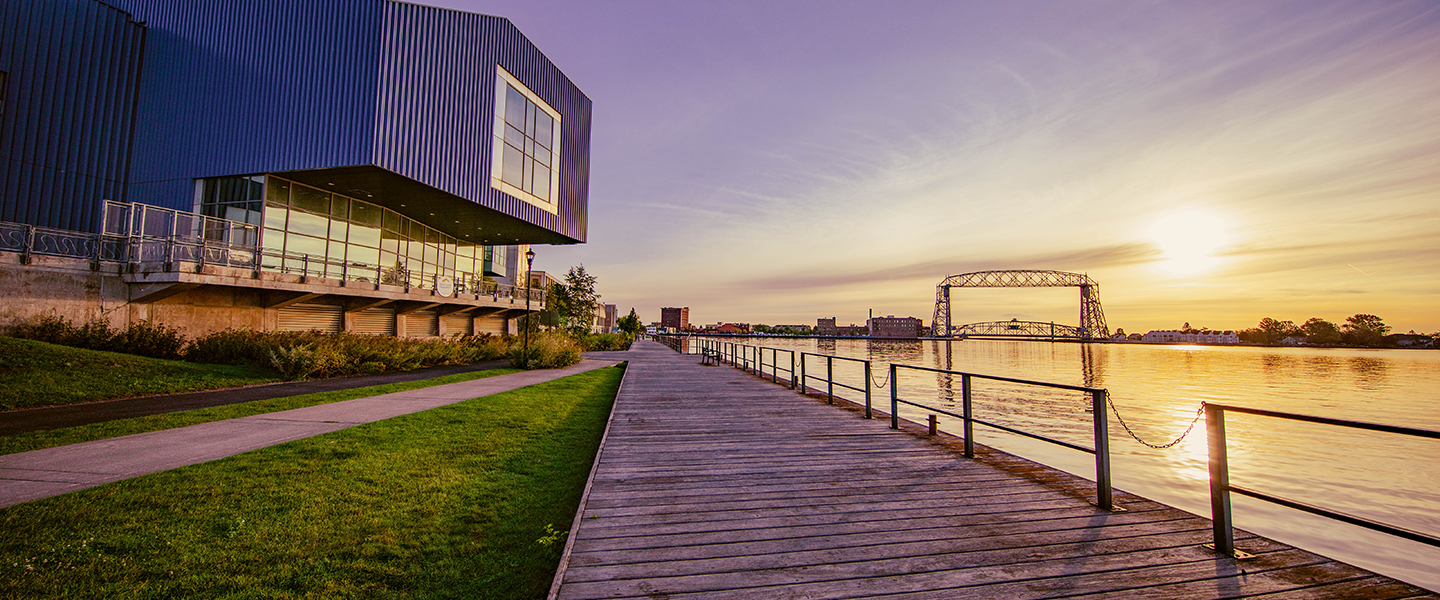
point(883, 383)
point(1198, 413)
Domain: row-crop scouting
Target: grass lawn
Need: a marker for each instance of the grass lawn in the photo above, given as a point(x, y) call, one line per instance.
point(40, 374)
point(452, 502)
point(35, 440)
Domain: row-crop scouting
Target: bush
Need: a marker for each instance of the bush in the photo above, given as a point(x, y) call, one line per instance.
point(606, 342)
point(324, 354)
point(143, 337)
point(546, 351)
point(294, 362)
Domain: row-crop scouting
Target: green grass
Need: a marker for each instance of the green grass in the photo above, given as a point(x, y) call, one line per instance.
point(446, 503)
point(40, 374)
point(35, 440)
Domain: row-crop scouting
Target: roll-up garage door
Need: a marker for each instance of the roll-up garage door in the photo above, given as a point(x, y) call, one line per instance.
point(490, 325)
point(304, 317)
point(421, 323)
point(458, 324)
point(375, 321)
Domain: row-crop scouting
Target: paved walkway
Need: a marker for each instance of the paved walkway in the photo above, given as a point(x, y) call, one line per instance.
point(53, 471)
point(713, 484)
point(71, 415)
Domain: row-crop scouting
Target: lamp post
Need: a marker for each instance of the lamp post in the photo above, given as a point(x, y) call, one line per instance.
point(529, 318)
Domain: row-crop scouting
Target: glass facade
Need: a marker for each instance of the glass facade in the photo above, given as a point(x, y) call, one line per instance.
point(335, 236)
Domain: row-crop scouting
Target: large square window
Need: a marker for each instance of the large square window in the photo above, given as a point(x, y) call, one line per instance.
point(526, 147)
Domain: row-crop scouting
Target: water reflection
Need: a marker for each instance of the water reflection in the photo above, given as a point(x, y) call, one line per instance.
point(1092, 364)
point(898, 351)
point(1369, 372)
point(825, 345)
point(1321, 366)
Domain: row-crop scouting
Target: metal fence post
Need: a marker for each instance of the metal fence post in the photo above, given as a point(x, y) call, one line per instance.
point(29, 245)
point(965, 409)
point(1103, 491)
point(1219, 481)
point(867, 391)
point(830, 379)
point(894, 399)
point(803, 381)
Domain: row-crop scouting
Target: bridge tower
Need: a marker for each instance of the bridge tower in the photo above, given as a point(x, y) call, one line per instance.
point(1092, 315)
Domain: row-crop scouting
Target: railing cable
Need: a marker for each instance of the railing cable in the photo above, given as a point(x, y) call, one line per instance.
point(1198, 414)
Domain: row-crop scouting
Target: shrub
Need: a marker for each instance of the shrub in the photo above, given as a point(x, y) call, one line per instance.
point(54, 330)
point(143, 338)
point(294, 362)
point(607, 342)
point(546, 351)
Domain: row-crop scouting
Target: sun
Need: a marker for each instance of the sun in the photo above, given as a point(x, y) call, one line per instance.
point(1189, 241)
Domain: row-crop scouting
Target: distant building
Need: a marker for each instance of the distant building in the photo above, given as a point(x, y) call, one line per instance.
point(606, 316)
point(732, 328)
point(891, 326)
point(852, 330)
point(825, 326)
point(675, 318)
point(1172, 336)
point(790, 328)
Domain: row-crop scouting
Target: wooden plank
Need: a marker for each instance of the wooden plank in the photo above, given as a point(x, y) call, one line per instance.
point(714, 483)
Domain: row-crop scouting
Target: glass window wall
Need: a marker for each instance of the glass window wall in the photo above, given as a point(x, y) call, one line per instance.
point(346, 237)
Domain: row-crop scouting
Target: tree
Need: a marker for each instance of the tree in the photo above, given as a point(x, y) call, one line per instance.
point(630, 324)
point(1186, 328)
point(557, 300)
point(1276, 331)
point(1320, 332)
point(580, 307)
point(1364, 330)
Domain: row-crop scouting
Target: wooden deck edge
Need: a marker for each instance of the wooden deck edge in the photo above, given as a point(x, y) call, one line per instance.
point(585, 496)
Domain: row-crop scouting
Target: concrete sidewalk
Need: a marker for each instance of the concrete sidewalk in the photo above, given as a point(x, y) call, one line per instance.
point(53, 471)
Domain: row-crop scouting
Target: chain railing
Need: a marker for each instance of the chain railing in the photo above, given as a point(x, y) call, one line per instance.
point(831, 383)
point(1104, 491)
point(1220, 486)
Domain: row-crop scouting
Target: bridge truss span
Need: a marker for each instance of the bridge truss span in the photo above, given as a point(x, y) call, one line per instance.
point(1092, 315)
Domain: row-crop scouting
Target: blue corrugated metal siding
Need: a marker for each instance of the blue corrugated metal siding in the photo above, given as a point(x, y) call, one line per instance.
point(252, 87)
point(437, 106)
point(73, 67)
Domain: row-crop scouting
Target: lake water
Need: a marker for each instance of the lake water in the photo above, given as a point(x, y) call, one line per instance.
point(1157, 390)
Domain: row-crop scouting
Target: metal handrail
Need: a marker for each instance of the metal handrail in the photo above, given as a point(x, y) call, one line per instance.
point(775, 365)
point(1220, 486)
point(830, 381)
point(1104, 492)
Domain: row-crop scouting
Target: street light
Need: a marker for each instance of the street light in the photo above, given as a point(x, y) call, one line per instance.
point(529, 318)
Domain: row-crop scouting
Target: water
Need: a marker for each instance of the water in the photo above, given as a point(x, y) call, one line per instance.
point(1157, 390)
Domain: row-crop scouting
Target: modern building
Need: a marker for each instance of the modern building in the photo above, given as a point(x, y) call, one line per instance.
point(607, 317)
point(894, 327)
point(215, 165)
point(675, 319)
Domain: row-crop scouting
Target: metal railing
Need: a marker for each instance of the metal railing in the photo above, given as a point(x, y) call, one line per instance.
point(1220, 486)
point(1104, 492)
point(831, 383)
point(775, 365)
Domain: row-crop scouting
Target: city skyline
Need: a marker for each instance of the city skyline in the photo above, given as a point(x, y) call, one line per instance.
point(1214, 163)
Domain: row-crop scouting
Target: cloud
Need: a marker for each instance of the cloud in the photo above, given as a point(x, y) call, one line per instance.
point(1091, 258)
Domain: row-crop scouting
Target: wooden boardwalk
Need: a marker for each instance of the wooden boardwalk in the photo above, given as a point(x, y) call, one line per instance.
point(713, 484)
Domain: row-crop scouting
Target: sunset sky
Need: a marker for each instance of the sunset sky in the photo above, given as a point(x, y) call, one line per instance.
point(1206, 162)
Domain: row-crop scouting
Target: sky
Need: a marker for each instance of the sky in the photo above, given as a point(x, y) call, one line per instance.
point(1206, 162)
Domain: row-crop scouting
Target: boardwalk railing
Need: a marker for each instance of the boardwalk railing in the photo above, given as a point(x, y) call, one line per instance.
point(1103, 489)
point(1220, 486)
point(829, 378)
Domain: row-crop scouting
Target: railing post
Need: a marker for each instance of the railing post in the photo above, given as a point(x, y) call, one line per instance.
point(1219, 481)
point(29, 247)
point(1103, 491)
point(803, 382)
point(792, 369)
point(894, 399)
point(868, 415)
point(965, 409)
point(830, 379)
point(305, 269)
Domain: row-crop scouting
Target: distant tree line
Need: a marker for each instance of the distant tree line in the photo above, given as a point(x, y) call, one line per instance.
point(1360, 330)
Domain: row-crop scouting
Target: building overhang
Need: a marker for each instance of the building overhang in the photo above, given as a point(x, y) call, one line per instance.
point(441, 210)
